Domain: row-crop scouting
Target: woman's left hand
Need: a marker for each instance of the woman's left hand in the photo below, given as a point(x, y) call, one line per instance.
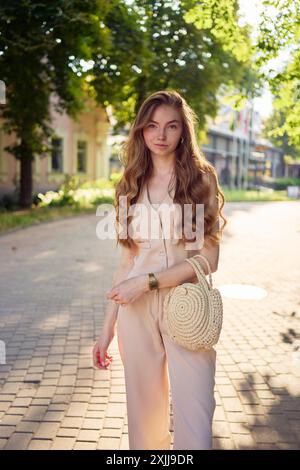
point(129, 290)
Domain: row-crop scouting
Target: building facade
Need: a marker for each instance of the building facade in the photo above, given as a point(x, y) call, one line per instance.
point(239, 163)
point(78, 148)
point(237, 150)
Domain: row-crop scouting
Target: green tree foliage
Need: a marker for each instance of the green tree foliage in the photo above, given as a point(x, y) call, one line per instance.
point(191, 46)
point(44, 49)
point(274, 130)
point(280, 36)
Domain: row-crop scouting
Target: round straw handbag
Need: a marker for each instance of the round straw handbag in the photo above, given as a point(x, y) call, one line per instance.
point(194, 312)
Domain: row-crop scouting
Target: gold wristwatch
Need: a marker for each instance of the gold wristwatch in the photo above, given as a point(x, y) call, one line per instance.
point(153, 282)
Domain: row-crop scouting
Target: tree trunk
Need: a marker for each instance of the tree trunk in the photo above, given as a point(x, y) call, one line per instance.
point(26, 182)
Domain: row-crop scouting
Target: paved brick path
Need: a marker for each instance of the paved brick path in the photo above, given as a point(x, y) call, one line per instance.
point(53, 282)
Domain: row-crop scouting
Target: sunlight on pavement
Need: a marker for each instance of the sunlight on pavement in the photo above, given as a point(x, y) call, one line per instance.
point(242, 291)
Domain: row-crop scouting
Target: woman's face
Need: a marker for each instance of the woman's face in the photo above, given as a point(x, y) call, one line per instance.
point(163, 132)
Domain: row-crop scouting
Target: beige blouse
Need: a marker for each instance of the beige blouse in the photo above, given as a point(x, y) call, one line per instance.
point(156, 234)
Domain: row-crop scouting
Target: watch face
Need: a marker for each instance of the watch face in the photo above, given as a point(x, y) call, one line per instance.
point(153, 283)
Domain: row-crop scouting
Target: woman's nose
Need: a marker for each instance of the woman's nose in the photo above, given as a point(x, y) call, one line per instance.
point(161, 134)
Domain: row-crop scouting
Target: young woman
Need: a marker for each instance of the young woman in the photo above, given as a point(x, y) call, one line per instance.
point(163, 166)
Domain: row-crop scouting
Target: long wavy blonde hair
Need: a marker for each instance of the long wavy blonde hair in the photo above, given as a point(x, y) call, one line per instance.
point(196, 178)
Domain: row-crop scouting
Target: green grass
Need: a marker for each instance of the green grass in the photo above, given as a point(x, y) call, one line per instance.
point(26, 217)
point(240, 195)
point(23, 218)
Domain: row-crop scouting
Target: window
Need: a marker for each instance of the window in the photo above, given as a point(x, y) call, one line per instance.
point(57, 154)
point(81, 156)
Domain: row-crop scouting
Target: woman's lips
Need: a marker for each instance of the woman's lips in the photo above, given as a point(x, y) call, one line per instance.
point(161, 145)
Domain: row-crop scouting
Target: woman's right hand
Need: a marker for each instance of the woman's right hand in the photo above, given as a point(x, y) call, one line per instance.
point(101, 358)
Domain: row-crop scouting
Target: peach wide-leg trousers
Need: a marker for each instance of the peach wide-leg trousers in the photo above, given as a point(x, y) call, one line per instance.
point(154, 365)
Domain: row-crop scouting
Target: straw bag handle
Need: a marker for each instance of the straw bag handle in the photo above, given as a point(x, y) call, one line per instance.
point(199, 270)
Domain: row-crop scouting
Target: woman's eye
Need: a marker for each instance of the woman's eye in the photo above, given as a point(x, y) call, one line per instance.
point(151, 126)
